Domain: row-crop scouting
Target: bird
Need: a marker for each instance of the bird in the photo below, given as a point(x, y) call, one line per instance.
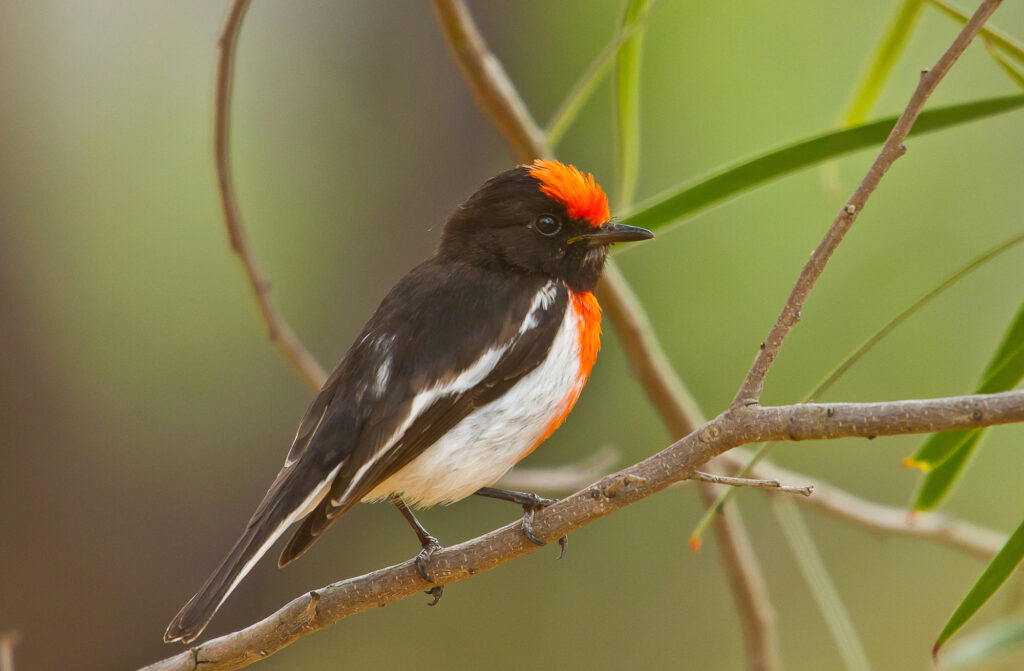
point(472, 360)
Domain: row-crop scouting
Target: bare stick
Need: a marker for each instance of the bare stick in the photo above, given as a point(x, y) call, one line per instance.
point(737, 426)
point(492, 89)
point(750, 390)
point(746, 580)
point(878, 518)
point(806, 490)
point(277, 328)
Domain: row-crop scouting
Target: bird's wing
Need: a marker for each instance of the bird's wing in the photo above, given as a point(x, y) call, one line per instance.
point(440, 342)
point(414, 416)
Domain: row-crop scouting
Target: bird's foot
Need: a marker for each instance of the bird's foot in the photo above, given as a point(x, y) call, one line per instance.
point(529, 508)
point(430, 546)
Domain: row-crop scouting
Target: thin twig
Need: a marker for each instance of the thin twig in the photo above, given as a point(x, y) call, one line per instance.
point(878, 518)
point(750, 390)
point(737, 426)
point(806, 490)
point(492, 89)
point(277, 328)
point(761, 452)
point(746, 581)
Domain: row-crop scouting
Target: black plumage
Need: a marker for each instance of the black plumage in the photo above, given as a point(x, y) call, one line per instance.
point(504, 245)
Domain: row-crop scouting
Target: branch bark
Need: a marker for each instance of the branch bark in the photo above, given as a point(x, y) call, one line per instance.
point(736, 426)
point(753, 384)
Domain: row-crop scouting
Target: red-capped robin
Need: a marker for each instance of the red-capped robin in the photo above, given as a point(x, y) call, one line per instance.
point(471, 361)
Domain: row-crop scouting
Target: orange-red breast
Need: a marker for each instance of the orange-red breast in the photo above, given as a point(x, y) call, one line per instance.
point(471, 361)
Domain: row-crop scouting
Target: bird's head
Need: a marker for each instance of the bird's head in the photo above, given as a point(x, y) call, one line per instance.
point(546, 218)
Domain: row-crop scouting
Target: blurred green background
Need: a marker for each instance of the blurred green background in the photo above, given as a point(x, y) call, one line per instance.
point(143, 411)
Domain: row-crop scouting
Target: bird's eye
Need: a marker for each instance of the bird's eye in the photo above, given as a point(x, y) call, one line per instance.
point(547, 225)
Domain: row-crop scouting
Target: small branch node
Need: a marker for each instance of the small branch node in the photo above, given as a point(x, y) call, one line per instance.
point(618, 482)
point(851, 209)
point(806, 490)
point(711, 433)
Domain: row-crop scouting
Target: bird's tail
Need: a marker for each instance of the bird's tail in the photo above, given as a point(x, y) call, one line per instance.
point(279, 510)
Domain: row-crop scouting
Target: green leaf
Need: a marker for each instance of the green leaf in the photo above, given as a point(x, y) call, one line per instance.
point(989, 644)
point(995, 574)
point(627, 98)
point(943, 476)
point(732, 180)
point(1006, 368)
point(584, 87)
point(989, 33)
point(945, 455)
point(937, 449)
point(896, 37)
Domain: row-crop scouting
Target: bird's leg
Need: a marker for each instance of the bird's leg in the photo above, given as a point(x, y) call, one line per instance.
point(531, 503)
point(429, 544)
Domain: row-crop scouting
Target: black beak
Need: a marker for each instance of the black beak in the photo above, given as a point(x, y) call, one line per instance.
point(608, 233)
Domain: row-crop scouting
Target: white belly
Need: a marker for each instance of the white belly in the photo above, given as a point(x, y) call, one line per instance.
point(490, 440)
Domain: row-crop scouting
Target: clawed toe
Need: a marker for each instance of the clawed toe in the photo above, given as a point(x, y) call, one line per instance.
point(423, 558)
point(528, 510)
point(531, 503)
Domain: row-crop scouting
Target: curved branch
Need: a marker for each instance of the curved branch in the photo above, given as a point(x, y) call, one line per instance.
point(491, 86)
point(277, 328)
point(736, 426)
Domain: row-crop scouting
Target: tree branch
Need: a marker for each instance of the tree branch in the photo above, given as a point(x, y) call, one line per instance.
point(491, 86)
point(736, 426)
point(318, 609)
point(277, 328)
point(750, 390)
point(878, 518)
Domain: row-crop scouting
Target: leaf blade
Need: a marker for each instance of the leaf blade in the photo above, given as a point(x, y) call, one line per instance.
point(944, 456)
point(943, 477)
point(627, 104)
point(724, 183)
point(994, 575)
point(882, 62)
point(584, 87)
